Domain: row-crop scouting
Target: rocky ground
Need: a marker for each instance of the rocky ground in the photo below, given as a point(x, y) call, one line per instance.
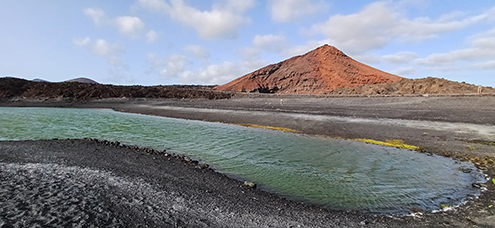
point(92, 183)
point(15, 88)
point(413, 86)
point(460, 127)
point(74, 91)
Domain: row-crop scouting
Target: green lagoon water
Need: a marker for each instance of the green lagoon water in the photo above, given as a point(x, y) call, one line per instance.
point(336, 173)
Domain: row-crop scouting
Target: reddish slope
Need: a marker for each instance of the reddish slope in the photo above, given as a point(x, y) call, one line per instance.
point(321, 70)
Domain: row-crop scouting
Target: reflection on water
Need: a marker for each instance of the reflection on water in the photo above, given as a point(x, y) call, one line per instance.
point(337, 173)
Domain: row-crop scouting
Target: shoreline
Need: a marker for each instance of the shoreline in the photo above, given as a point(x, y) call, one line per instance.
point(197, 196)
point(206, 197)
point(284, 114)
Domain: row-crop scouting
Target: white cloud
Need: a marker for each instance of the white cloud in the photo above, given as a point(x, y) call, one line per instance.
point(130, 26)
point(490, 65)
point(212, 75)
point(380, 23)
point(157, 5)
point(302, 49)
point(368, 29)
point(367, 58)
point(81, 41)
point(401, 57)
point(198, 51)
point(174, 66)
point(236, 5)
point(97, 15)
point(422, 29)
point(251, 59)
point(155, 60)
point(110, 51)
point(120, 75)
point(151, 36)
point(403, 71)
point(100, 47)
point(290, 10)
point(222, 21)
point(270, 43)
point(481, 46)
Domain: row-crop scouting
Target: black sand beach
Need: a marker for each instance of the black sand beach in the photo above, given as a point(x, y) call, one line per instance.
point(167, 191)
point(122, 186)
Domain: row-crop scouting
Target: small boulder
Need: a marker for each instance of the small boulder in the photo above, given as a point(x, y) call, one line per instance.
point(250, 184)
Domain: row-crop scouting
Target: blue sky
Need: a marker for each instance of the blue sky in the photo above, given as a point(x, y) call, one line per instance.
point(152, 42)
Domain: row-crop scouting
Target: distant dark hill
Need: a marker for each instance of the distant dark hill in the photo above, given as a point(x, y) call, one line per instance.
point(83, 80)
point(316, 72)
point(20, 88)
point(39, 80)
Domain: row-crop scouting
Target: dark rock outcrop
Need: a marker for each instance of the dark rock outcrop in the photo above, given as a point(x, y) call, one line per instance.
point(20, 88)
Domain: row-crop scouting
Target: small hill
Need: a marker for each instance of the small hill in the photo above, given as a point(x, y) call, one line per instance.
point(319, 71)
point(83, 80)
point(405, 86)
point(39, 80)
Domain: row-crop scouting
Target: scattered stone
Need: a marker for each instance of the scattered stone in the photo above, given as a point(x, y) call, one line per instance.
point(417, 210)
point(250, 184)
point(465, 170)
point(478, 185)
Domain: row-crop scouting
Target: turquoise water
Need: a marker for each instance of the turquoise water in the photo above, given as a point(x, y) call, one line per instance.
point(337, 173)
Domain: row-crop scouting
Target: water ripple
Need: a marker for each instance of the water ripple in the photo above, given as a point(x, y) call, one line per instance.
point(332, 172)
